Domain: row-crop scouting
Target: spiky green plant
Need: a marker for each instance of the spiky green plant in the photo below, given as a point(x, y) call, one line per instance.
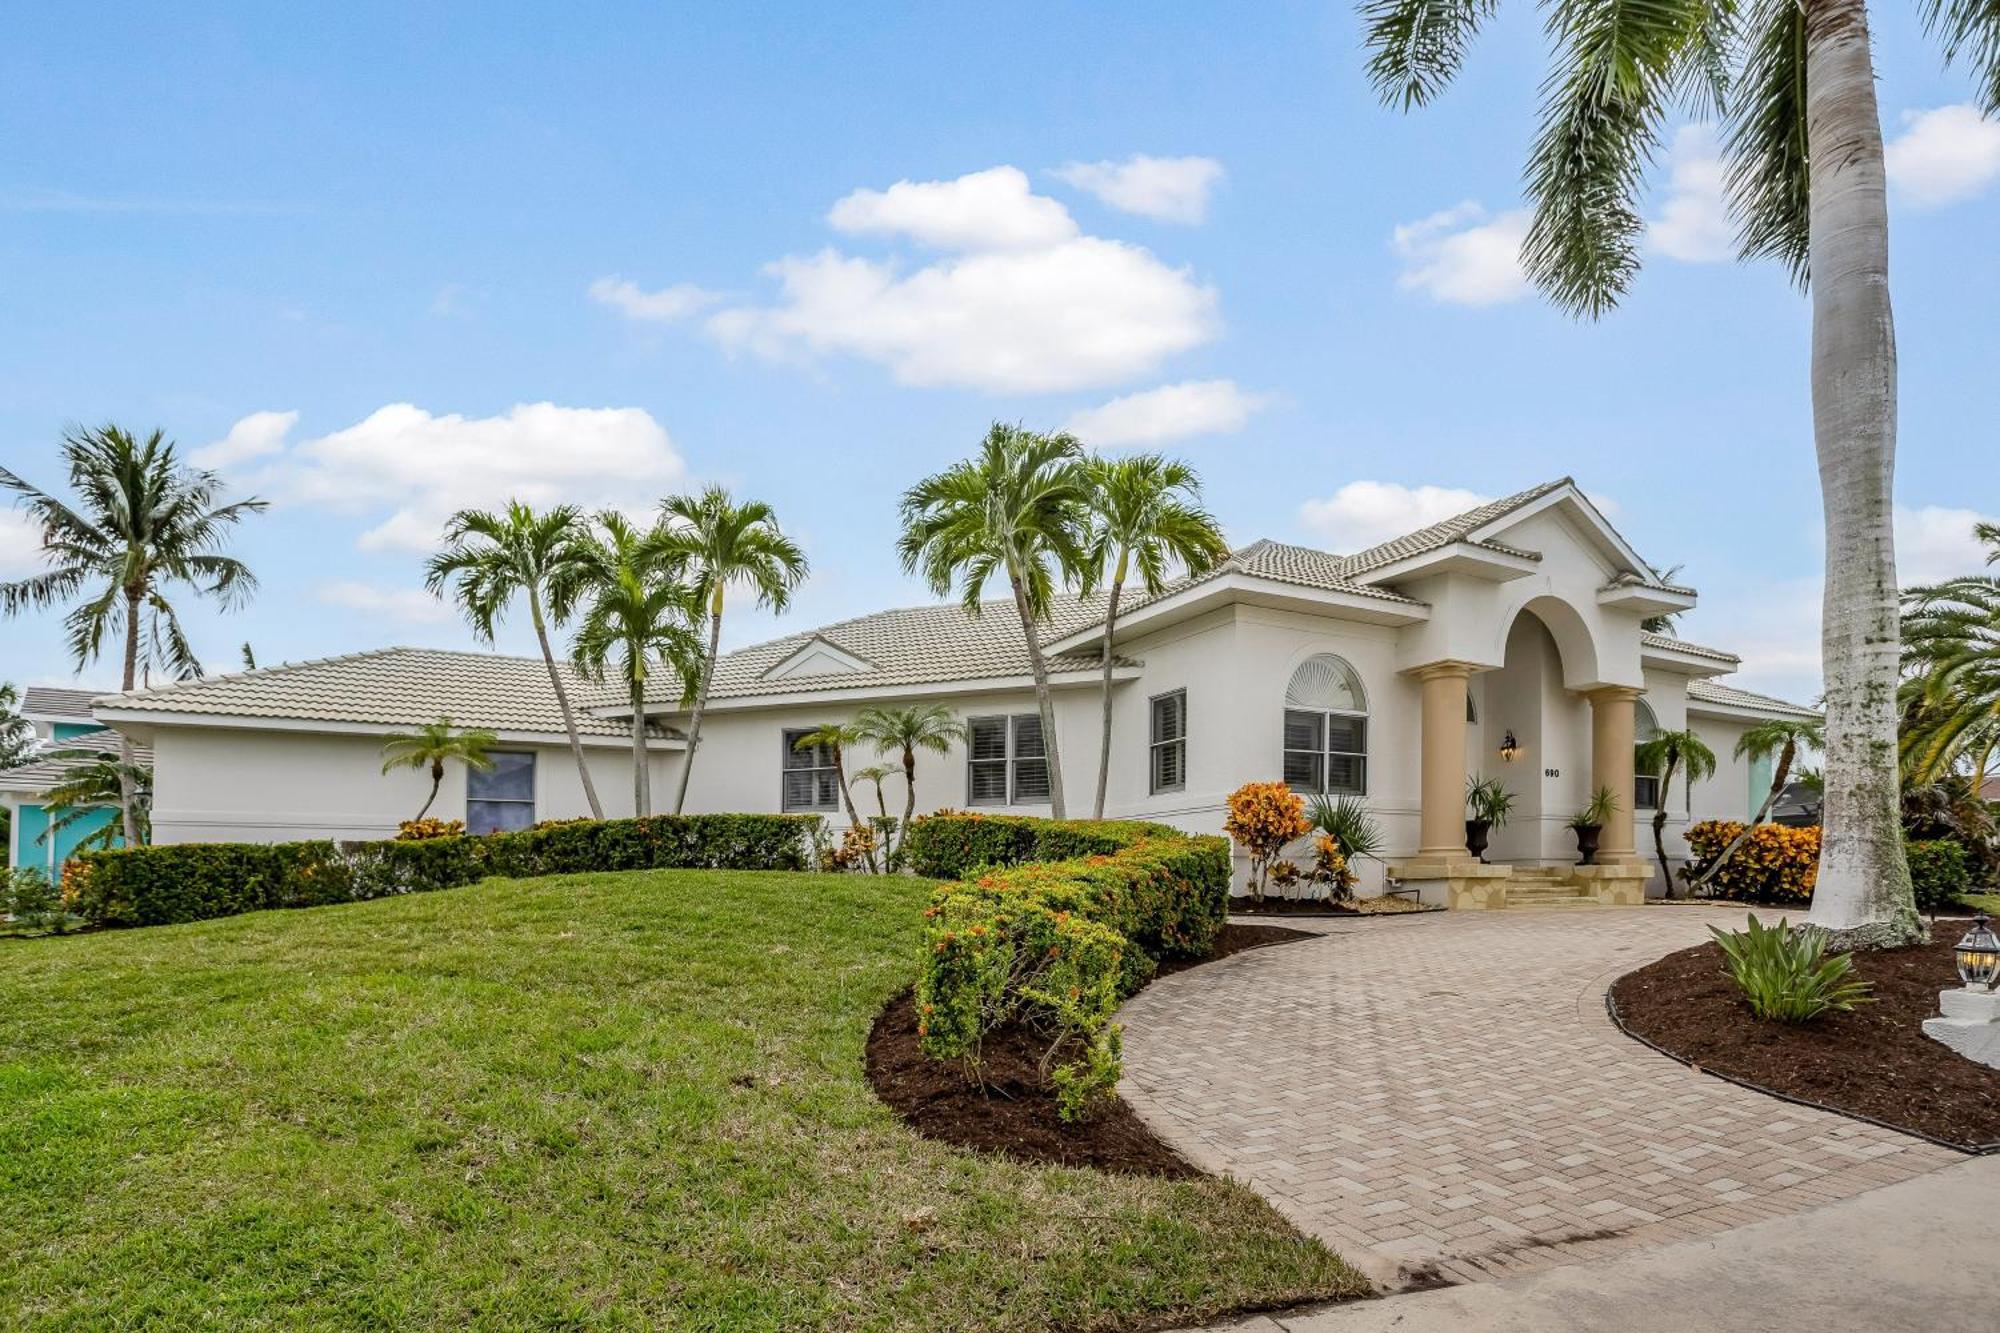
point(1786, 974)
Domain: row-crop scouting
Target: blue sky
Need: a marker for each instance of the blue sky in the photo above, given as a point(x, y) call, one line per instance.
point(680, 232)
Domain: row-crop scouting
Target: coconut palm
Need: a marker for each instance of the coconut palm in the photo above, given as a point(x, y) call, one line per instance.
point(143, 523)
point(1805, 172)
point(432, 746)
point(1950, 696)
point(17, 734)
point(632, 605)
point(1664, 752)
point(95, 780)
point(1020, 510)
point(900, 733)
point(723, 544)
point(1784, 738)
point(1144, 517)
point(837, 737)
point(490, 559)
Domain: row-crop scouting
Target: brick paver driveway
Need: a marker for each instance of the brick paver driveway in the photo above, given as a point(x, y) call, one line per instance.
point(1446, 1092)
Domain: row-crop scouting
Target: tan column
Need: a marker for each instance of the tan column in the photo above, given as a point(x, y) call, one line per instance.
point(1611, 723)
point(1442, 824)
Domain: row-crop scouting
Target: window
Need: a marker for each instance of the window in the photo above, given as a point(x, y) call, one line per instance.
point(1326, 728)
point(501, 799)
point(809, 779)
point(1006, 761)
point(1645, 786)
point(1168, 758)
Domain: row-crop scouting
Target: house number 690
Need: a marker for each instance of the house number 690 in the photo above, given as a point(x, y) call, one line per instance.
point(1552, 772)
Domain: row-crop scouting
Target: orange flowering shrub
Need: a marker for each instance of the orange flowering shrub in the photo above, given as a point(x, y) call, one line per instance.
point(1776, 864)
point(416, 830)
point(1263, 818)
point(1330, 868)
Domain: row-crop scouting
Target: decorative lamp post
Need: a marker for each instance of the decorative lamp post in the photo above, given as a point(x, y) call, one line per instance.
point(1969, 1018)
point(1978, 955)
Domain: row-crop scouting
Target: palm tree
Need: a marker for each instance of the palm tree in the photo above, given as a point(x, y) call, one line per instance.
point(1144, 515)
point(836, 737)
point(432, 746)
point(492, 558)
point(1662, 753)
point(1794, 80)
point(635, 607)
point(17, 734)
point(1950, 696)
point(876, 775)
point(94, 780)
point(143, 523)
point(724, 543)
point(902, 732)
point(1783, 737)
point(1019, 509)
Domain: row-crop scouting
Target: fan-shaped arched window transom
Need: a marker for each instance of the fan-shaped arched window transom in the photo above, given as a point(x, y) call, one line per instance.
point(1326, 728)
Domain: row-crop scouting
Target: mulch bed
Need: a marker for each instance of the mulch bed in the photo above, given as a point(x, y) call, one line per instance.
point(1013, 1111)
point(1874, 1062)
point(1319, 907)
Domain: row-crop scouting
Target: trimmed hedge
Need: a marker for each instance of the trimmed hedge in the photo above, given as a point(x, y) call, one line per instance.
point(1053, 925)
point(150, 886)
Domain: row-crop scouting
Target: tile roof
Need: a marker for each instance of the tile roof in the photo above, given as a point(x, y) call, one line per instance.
point(403, 687)
point(1708, 692)
point(44, 770)
point(1454, 529)
point(49, 701)
point(1672, 644)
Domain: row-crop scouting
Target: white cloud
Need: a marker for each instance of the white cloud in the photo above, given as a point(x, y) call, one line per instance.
point(1168, 189)
point(412, 606)
point(407, 470)
point(1944, 155)
point(20, 544)
point(1363, 513)
point(1934, 543)
point(663, 306)
point(1693, 225)
point(986, 210)
point(1462, 257)
point(255, 436)
point(1170, 412)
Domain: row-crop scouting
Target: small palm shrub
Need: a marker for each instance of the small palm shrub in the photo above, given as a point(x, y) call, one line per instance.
point(1787, 975)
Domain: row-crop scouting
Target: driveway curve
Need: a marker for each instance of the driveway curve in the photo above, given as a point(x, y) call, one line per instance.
point(1444, 1097)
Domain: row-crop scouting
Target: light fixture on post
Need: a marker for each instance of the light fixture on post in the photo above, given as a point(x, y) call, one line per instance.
point(1978, 955)
point(1968, 1018)
point(1510, 749)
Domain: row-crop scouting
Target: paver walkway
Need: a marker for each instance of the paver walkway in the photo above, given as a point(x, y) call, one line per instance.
point(1446, 1093)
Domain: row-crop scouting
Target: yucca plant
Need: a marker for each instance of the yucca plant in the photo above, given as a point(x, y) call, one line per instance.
point(1346, 820)
point(1787, 975)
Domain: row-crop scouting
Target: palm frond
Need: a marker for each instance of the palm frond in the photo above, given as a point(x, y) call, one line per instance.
point(1768, 177)
point(1416, 47)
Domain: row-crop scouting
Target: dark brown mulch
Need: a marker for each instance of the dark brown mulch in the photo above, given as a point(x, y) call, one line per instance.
point(1013, 1111)
point(1874, 1062)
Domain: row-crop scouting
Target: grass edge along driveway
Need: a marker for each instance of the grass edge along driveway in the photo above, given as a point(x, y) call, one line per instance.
point(612, 1100)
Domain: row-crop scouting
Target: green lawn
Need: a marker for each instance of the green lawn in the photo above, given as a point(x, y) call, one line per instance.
point(1988, 903)
point(599, 1100)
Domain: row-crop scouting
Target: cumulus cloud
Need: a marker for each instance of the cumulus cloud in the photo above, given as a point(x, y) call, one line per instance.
point(663, 306)
point(1461, 256)
point(20, 544)
point(1170, 412)
point(412, 606)
point(406, 470)
point(1935, 542)
point(255, 436)
point(1363, 513)
point(1167, 189)
point(1693, 225)
point(993, 209)
point(1944, 155)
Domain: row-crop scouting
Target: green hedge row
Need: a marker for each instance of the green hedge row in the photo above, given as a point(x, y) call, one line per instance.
point(1939, 872)
point(150, 886)
point(1053, 925)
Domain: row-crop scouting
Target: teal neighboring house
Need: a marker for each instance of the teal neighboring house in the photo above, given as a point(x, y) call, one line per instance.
point(62, 721)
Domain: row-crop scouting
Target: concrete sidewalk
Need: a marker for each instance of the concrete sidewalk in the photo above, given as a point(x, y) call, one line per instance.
point(1921, 1256)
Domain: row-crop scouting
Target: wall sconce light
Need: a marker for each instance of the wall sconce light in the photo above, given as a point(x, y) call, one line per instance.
point(1510, 748)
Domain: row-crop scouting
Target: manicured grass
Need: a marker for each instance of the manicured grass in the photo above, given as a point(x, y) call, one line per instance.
point(1988, 903)
point(597, 1100)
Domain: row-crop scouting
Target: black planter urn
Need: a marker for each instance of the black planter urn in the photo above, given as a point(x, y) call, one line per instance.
point(1475, 837)
point(1586, 843)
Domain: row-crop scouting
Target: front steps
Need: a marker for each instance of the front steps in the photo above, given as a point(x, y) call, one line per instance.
point(1548, 886)
point(1472, 886)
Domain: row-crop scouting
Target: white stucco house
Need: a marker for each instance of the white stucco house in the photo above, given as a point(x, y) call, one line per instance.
point(1393, 674)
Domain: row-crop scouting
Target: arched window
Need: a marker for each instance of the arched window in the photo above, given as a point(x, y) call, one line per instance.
point(1326, 728)
point(1645, 786)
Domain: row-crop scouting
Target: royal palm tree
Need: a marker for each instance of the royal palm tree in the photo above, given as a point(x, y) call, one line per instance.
point(1664, 752)
point(1145, 516)
point(1795, 83)
point(432, 746)
point(724, 544)
point(490, 559)
point(1021, 510)
point(143, 523)
point(1951, 693)
point(17, 734)
point(1783, 737)
point(837, 737)
point(900, 733)
point(634, 607)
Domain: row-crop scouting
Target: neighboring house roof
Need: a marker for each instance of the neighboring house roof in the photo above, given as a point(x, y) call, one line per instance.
point(51, 704)
point(386, 688)
point(45, 770)
point(1728, 696)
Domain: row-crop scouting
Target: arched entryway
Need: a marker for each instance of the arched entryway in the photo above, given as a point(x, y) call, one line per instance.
point(1546, 768)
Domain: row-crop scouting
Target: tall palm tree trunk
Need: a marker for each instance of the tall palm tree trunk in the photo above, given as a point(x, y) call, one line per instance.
point(1863, 892)
point(437, 783)
point(128, 817)
point(562, 702)
point(642, 776)
point(1043, 699)
point(1660, 827)
point(1778, 779)
point(701, 698)
point(909, 794)
point(1104, 742)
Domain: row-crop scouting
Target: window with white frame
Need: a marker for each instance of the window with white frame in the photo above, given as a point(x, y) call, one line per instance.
point(1167, 758)
point(1645, 786)
point(1006, 761)
point(809, 779)
point(1326, 728)
point(501, 799)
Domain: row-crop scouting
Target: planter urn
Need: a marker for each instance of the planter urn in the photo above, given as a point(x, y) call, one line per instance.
point(1476, 831)
point(1586, 843)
